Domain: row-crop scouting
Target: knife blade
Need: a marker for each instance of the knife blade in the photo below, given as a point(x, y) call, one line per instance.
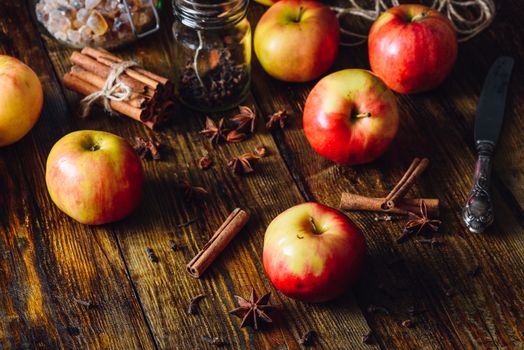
point(492, 101)
point(478, 213)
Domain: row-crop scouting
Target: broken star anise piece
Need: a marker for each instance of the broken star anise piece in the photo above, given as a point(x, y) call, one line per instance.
point(253, 310)
point(260, 150)
point(277, 119)
point(418, 223)
point(245, 120)
point(408, 323)
point(242, 164)
point(205, 163)
point(215, 132)
point(147, 148)
point(190, 192)
point(236, 136)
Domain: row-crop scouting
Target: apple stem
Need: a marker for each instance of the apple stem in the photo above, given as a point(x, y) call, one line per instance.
point(315, 229)
point(363, 115)
point(419, 16)
point(299, 15)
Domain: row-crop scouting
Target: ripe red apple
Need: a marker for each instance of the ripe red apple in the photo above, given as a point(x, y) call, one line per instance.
point(350, 117)
point(21, 99)
point(412, 48)
point(297, 40)
point(94, 177)
point(313, 252)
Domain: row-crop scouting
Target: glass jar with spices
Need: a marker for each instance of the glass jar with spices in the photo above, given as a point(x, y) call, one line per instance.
point(212, 53)
point(98, 23)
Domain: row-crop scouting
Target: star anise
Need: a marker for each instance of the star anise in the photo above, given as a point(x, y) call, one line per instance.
point(190, 192)
point(418, 223)
point(278, 118)
point(215, 133)
point(245, 121)
point(147, 148)
point(242, 164)
point(253, 310)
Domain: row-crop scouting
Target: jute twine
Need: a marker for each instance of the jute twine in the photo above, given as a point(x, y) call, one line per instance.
point(481, 11)
point(112, 90)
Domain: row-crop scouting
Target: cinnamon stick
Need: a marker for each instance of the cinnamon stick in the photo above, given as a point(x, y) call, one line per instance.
point(139, 74)
point(395, 189)
point(225, 233)
point(406, 182)
point(350, 201)
point(76, 84)
point(102, 70)
point(155, 85)
point(100, 53)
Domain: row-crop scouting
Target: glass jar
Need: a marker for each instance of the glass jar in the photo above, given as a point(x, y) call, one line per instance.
point(212, 53)
point(98, 23)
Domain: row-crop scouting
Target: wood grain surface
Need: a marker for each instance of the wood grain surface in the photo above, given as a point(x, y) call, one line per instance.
point(48, 262)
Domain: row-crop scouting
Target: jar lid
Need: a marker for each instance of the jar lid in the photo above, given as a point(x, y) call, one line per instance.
point(209, 14)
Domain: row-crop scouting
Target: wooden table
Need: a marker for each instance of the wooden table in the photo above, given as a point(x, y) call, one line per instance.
point(47, 260)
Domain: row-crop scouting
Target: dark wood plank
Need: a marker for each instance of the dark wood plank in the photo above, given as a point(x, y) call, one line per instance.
point(165, 288)
point(46, 260)
point(481, 312)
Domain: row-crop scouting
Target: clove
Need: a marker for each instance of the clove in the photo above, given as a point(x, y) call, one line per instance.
point(308, 339)
point(151, 255)
point(87, 303)
point(213, 341)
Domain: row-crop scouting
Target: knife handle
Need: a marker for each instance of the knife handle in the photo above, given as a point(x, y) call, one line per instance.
point(478, 211)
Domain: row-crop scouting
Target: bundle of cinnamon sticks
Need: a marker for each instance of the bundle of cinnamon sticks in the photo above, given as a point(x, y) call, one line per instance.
point(151, 98)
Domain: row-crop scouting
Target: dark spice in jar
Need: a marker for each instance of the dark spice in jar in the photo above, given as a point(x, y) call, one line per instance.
point(219, 86)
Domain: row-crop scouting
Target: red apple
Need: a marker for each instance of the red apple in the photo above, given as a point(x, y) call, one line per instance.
point(412, 48)
point(94, 177)
point(350, 117)
point(297, 40)
point(313, 252)
point(21, 99)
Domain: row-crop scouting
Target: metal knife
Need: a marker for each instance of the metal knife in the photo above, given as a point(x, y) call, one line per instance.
point(478, 212)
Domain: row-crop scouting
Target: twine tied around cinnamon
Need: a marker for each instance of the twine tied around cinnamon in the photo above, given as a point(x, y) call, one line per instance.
point(112, 90)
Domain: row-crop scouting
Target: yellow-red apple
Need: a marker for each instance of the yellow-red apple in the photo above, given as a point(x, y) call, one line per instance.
point(94, 177)
point(21, 99)
point(350, 117)
point(412, 48)
point(297, 40)
point(313, 252)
